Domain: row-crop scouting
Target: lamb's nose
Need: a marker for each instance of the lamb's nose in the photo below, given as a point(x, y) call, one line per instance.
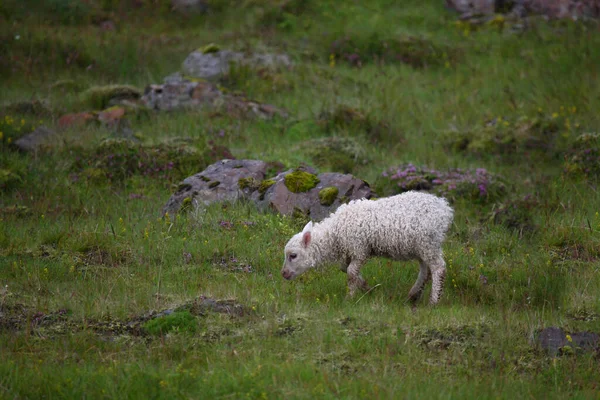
point(286, 274)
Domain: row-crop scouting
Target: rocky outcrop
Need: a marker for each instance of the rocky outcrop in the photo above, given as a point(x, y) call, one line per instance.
point(34, 140)
point(212, 63)
point(294, 192)
point(328, 192)
point(179, 92)
point(218, 182)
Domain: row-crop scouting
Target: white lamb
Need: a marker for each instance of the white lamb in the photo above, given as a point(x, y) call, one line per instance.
point(408, 226)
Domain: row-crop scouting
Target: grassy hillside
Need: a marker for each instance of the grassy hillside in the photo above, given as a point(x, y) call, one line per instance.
point(86, 258)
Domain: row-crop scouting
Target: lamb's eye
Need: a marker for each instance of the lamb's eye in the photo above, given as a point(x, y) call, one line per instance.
point(293, 256)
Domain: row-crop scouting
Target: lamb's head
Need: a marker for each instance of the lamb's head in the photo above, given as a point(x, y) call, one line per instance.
point(298, 257)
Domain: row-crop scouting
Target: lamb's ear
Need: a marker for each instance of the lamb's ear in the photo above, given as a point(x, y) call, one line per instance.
point(307, 234)
point(308, 227)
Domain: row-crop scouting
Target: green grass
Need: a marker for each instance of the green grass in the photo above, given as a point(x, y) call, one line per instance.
point(84, 257)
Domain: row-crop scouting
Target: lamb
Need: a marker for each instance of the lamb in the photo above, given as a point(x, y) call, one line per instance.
point(408, 226)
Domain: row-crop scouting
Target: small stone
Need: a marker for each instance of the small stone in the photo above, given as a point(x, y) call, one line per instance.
point(34, 140)
point(75, 119)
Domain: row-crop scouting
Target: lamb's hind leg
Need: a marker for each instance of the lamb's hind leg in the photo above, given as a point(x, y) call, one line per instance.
point(417, 290)
point(438, 275)
point(355, 280)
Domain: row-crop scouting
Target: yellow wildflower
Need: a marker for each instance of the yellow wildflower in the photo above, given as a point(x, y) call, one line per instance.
point(569, 338)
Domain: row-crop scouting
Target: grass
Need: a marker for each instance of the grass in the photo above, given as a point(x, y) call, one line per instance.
point(84, 258)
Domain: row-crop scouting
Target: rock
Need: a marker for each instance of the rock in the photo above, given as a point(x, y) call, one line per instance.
point(212, 65)
point(474, 7)
point(288, 193)
point(75, 119)
point(178, 92)
point(33, 107)
point(315, 202)
point(111, 116)
point(478, 185)
point(189, 6)
point(34, 140)
point(218, 182)
point(555, 341)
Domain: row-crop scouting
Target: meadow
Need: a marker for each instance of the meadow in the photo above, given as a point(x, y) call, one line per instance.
point(89, 264)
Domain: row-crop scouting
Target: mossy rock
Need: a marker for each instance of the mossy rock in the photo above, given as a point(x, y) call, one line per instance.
point(66, 86)
point(328, 195)
point(120, 159)
point(99, 97)
point(182, 321)
point(300, 181)
point(583, 158)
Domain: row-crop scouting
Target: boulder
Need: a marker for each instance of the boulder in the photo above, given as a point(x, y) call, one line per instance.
point(299, 191)
point(317, 198)
point(75, 119)
point(189, 6)
point(34, 140)
point(212, 63)
point(556, 341)
point(218, 182)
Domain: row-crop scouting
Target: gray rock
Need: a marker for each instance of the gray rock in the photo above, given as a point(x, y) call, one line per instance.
point(218, 182)
point(180, 93)
point(280, 199)
point(221, 182)
point(34, 140)
point(215, 64)
point(189, 6)
point(554, 340)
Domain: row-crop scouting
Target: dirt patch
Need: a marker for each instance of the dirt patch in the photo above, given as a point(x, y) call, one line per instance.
point(463, 336)
point(17, 317)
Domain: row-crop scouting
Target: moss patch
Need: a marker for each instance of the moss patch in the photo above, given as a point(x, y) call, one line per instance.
point(328, 195)
point(182, 321)
point(214, 184)
point(300, 181)
point(248, 183)
point(210, 48)
point(264, 186)
point(583, 158)
point(119, 159)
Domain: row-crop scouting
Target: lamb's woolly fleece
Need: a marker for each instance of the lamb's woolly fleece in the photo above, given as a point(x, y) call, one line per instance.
point(411, 225)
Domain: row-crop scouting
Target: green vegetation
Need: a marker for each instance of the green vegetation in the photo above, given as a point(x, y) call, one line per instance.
point(328, 195)
point(180, 321)
point(503, 121)
point(300, 181)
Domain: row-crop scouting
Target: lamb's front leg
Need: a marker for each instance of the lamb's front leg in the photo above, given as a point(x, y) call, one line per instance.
point(344, 265)
point(355, 280)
